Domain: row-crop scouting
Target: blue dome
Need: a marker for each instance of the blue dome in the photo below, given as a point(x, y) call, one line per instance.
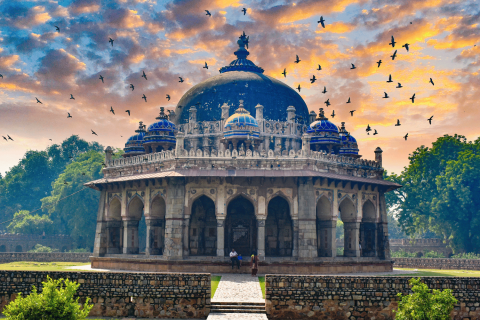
point(162, 125)
point(134, 144)
point(322, 126)
point(160, 132)
point(240, 120)
point(241, 125)
point(349, 143)
point(346, 139)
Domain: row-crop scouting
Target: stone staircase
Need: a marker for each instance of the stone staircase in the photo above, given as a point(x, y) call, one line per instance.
point(238, 307)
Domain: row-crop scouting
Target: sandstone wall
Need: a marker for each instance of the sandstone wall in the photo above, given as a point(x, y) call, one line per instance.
point(45, 257)
point(26, 242)
point(124, 294)
point(420, 245)
point(421, 263)
point(331, 297)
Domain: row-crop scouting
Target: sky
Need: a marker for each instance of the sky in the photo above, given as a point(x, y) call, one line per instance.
point(171, 39)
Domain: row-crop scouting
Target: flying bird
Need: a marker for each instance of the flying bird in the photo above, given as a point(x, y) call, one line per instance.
point(399, 85)
point(5, 138)
point(9, 138)
point(284, 73)
point(333, 114)
point(431, 81)
point(406, 46)
point(144, 98)
point(57, 28)
point(144, 75)
point(327, 103)
point(353, 67)
point(406, 136)
point(351, 112)
point(128, 111)
point(111, 110)
point(208, 13)
point(206, 66)
point(375, 132)
point(313, 79)
point(322, 21)
point(385, 96)
point(168, 97)
point(38, 101)
point(368, 128)
point(101, 78)
point(398, 123)
point(298, 88)
point(1, 76)
point(393, 42)
point(131, 86)
point(71, 96)
point(389, 78)
point(93, 132)
point(111, 41)
point(297, 60)
point(379, 62)
point(413, 98)
point(244, 10)
point(181, 80)
point(69, 115)
point(394, 55)
point(348, 100)
point(324, 90)
point(430, 120)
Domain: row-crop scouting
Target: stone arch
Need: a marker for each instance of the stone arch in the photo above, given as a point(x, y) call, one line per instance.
point(3, 248)
point(368, 230)
point(203, 227)
point(242, 195)
point(347, 210)
point(240, 225)
point(135, 208)
point(202, 193)
point(326, 227)
point(282, 195)
point(348, 215)
point(114, 226)
point(114, 209)
point(158, 207)
point(278, 228)
point(18, 248)
point(155, 226)
point(369, 211)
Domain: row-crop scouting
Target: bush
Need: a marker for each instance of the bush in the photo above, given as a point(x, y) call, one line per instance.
point(466, 255)
point(425, 305)
point(433, 254)
point(403, 254)
point(56, 302)
point(39, 248)
point(340, 252)
point(79, 250)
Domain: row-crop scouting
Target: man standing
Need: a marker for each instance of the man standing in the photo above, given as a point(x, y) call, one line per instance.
point(234, 258)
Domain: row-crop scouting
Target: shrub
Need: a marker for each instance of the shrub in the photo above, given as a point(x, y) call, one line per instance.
point(79, 250)
point(340, 251)
point(466, 255)
point(56, 302)
point(425, 305)
point(403, 254)
point(433, 254)
point(39, 248)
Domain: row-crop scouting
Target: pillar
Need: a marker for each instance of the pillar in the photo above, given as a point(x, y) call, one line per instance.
point(130, 236)
point(193, 115)
point(383, 243)
point(154, 244)
point(352, 237)
point(259, 112)
point(295, 238)
point(108, 155)
point(291, 114)
point(378, 156)
point(312, 116)
point(101, 244)
point(261, 237)
point(174, 219)
point(186, 238)
point(327, 236)
point(220, 237)
point(305, 144)
point(180, 144)
point(114, 237)
point(305, 229)
point(225, 112)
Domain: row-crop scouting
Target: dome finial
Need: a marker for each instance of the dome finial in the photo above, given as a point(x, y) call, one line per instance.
point(242, 42)
point(141, 127)
point(241, 109)
point(162, 114)
point(321, 115)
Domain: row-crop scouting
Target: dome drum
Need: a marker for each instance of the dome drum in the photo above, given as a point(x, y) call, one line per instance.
point(134, 144)
point(349, 144)
point(324, 134)
point(160, 135)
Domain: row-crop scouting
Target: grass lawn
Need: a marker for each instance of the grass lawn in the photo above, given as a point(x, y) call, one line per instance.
point(40, 266)
point(262, 285)
point(215, 280)
point(439, 273)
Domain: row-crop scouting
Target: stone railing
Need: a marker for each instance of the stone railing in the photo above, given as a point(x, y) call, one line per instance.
point(437, 263)
point(364, 297)
point(44, 257)
point(417, 242)
point(138, 295)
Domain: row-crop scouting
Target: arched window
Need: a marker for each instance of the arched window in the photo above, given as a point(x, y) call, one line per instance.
point(156, 226)
point(240, 227)
point(325, 228)
point(368, 230)
point(114, 227)
point(203, 228)
point(278, 229)
point(348, 214)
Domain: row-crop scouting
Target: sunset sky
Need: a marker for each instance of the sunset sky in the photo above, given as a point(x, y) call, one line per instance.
point(168, 39)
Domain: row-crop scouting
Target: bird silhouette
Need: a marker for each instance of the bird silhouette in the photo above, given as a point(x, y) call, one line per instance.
point(353, 67)
point(333, 114)
point(83, 173)
point(313, 79)
point(69, 116)
point(5, 138)
point(405, 137)
point(38, 101)
point(398, 123)
point(208, 13)
point(368, 128)
point(375, 132)
point(297, 60)
point(144, 98)
point(324, 90)
point(101, 78)
point(399, 85)
point(322, 21)
point(413, 98)
point(244, 10)
point(430, 120)
point(168, 97)
point(144, 75)
point(389, 78)
point(111, 41)
point(50, 139)
point(181, 80)
point(284, 73)
point(406, 46)
point(128, 111)
point(351, 112)
point(65, 182)
point(319, 67)
point(71, 96)
point(394, 55)
point(393, 42)
point(206, 66)
point(431, 81)
point(379, 62)
point(93, 132)
point(348, 100)
point(1, 76)
point(131, 86)
point(327, 103)
point(385, 96)
point(298, 88)
point(57, 29)
point(9, 138)
point(111, 110)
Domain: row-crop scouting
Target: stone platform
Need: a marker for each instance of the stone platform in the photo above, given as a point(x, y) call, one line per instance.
point(216, 265)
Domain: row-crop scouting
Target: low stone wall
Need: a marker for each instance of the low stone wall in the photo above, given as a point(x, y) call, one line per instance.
point(420, 245)
point(330, 297)
point(452, 264)
point(24, 242)
point(45, 257)
point(140, 295)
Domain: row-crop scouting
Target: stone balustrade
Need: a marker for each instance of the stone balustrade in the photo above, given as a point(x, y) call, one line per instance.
point(6, 257)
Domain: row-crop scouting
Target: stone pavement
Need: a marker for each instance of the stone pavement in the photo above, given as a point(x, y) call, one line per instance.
point(236, 316)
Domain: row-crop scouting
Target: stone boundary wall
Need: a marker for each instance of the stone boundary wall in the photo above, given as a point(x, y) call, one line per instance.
point(420, 245)
point(45, 257)
point(140, 295)
point(24, 242)
point(437, 263)
point(335, 297)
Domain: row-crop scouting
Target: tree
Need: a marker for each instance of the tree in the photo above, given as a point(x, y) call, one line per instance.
point(39, 248)
point(56, 302)
point(24, 222)
point(425, 305)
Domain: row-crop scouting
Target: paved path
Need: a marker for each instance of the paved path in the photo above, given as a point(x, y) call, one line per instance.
point(236, 287)
point(236, 316)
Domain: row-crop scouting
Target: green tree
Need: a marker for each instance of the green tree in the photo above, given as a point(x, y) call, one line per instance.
point(39, 248)
point(425, 305)
point(24, 222)
point(56, 302)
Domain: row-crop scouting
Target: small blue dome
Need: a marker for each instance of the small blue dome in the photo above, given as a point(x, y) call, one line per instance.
point(349, 144)
point(241, 125)
point(346, 139)
point(240, 120)
point(134, 144)
point(322, 126)
point(162, 125)
point(162, 131)
point(323, 132)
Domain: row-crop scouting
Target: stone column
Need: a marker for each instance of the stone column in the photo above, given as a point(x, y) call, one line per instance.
point(180, 144)
point(327, 245)
point(305, 144)
point(220, 237)
point(174, 219)
point(306, 228)
point(291, 114)
point(261, 237)
point(101, 243)
point(378, 156)
point(154, 243)
point(312, 116)
point(352, 233)
point(295, 238)
point(383, 243)
point(186, 238)
point(114, 238)
point(130, 236)
point(108, 155)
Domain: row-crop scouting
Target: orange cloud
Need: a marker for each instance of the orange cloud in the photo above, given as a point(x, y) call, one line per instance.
point(8, 61)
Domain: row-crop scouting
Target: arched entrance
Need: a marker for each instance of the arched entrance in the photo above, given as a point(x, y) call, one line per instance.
point(240, 227)
point(278, 229)
point(114, 227)
point(18, 248)
point(3, 248)
point(348, 215)
point(368, 230)
point(326, 228)
point(155, 223)
point(134, 215)
point(203, 228)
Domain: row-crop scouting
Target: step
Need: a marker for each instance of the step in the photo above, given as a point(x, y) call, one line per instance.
point(237, 311)
point(238, 303)
point(237, 307)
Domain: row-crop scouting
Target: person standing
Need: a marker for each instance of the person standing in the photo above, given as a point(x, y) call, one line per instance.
point(254, 264)
point(234, 258)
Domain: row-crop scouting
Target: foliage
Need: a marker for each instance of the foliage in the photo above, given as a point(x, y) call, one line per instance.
point(215, 280)
point(340, 251)
point(79, 250)
point(425, 305)
point(465, 255)
point(433, 254)
point(261, 280)
point(55, 302)
point(25, 223)
point(39, 248)
point(402, 254)
point(339, 232)
point(438, 193)
point(394, 229)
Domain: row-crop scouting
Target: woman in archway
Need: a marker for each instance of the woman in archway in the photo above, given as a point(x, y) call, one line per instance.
point(254, 263)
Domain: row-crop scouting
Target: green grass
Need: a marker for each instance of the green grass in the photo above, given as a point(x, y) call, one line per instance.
point(40, 266)
point(215, 282)
point(262, 285)
point(439, 273)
